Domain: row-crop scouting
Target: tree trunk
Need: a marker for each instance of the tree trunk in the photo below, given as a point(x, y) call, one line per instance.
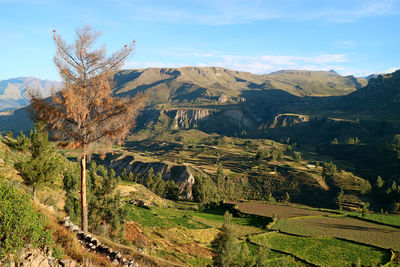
point(84, 211)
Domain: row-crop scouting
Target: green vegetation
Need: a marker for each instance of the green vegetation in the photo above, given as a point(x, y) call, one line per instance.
point(343, 227)
point(20, 224)
point(105, 208)
point(225, 246)
point(323, 251)
point(44, 164)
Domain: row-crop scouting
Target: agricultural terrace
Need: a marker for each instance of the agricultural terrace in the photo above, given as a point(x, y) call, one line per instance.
point(323, 251)
point(269, 210)
point(343, 227)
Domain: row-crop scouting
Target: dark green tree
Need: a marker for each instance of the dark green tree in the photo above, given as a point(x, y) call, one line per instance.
point(158, 185)
point(296, 156)
point(243, 257)
point(379, 182)
point(172, 191)
point(44, 164)
point(205, 192)
point(149, 179)
point(329, 169)
point(105, 203)
point(224, 245)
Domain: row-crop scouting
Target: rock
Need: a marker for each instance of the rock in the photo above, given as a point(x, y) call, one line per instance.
point(95, 242)
point(80, 235)
point(115, 262)
point(74, 228)
point(87, 238)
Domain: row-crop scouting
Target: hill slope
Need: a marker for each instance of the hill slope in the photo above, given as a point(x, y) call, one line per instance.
point(219, 84)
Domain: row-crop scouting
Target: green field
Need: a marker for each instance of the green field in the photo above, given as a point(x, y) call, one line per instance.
point(343, 227)
point(323, 251)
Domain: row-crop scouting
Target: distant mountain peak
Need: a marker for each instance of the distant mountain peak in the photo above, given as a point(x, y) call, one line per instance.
point(12, 91)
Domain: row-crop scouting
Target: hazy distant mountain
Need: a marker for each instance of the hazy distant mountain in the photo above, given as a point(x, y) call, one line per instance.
point(12, 91)
point(372, 76)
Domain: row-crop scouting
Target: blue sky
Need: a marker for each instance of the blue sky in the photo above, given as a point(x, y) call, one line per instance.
point(355, 37)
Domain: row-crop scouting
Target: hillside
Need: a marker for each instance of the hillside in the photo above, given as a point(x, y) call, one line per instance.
point(381, 97)
point(210, 84)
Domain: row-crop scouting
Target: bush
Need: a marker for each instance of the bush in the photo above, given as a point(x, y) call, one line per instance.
point(105, 206)
point(20, 225)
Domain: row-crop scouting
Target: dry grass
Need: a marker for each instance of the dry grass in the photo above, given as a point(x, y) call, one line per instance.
point(130, 252)
point(68, 241)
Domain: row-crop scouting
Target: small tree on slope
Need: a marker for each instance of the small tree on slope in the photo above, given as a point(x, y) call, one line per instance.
point(44, 164)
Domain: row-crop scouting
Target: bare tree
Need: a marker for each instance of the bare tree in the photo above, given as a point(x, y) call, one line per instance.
point(84, 111)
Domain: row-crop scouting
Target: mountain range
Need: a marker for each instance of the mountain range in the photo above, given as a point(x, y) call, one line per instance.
point(13, 91)
point(227, 101)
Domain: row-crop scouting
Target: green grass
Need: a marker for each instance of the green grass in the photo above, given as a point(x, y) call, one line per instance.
point(390, 219)
point(217, 215)
point(323, 251)
point(171, 217)
point(163, 217)
point(343, 227)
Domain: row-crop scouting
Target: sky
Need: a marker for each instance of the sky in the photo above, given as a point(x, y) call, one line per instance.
point(352, 37)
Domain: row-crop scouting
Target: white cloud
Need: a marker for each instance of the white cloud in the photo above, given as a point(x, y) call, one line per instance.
point(390, 70)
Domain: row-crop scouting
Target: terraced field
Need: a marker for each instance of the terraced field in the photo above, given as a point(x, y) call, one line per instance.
point(269, 210)
point(327, 238)
point(323, 251)
point(343, 227)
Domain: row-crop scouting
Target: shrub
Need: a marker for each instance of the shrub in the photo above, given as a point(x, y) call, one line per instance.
point(20, 225)
point(329, 169)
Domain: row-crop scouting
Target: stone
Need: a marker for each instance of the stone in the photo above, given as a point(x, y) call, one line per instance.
point(74, 228)
point(87, 238)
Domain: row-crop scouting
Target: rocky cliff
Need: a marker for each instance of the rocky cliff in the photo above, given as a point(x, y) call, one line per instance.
point(285, 120)
point(188, 118)
point(180, 174)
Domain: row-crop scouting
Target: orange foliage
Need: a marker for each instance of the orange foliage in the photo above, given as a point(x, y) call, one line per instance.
point(85, 110)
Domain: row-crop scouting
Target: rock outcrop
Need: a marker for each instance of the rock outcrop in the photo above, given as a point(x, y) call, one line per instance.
point(285, 120)
point(180, 174)
point(188, 118)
